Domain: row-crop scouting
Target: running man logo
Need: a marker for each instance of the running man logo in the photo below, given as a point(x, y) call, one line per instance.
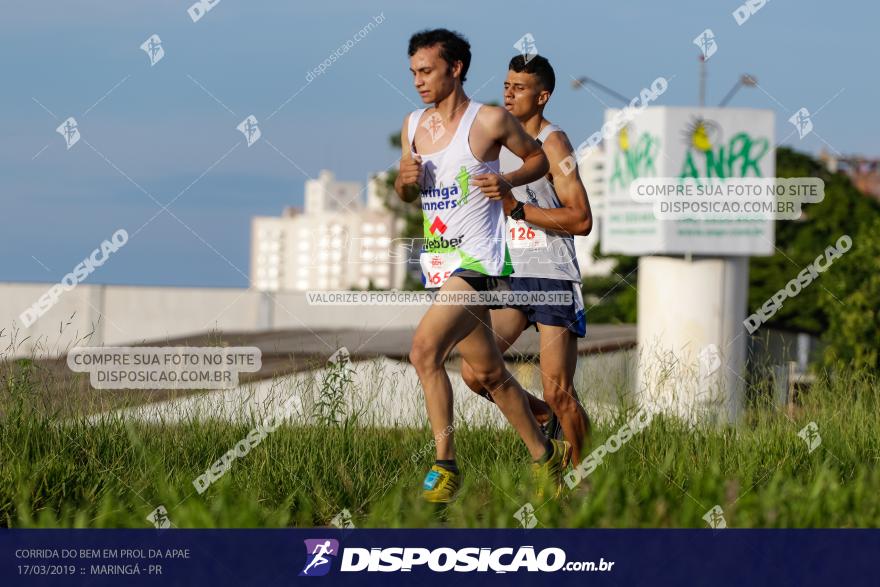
point(317, 553)
point(706, 42)
point(810, 435)
point(526, 516)
point(159, 517)
point(250, 128)
point(153, 48)
point(69, 129)
point(715, 518)
point(801, 121)
point(434, 126)
point(463, 180)
point(526, 47)
point(710, 360)
point(437, 227)
point(342, 520)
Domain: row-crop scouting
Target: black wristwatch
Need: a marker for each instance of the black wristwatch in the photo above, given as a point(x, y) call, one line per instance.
point(519, 211)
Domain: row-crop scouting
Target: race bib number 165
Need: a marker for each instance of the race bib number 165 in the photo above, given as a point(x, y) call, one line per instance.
point(438, 267)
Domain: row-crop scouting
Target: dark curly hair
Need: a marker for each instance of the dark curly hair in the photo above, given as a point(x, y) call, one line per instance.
point(453, 47)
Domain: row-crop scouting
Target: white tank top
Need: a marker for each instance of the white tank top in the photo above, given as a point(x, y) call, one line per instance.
point(463, 229)
point(534, 251)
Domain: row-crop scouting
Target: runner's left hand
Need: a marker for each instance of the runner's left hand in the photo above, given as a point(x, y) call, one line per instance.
point(493, 185)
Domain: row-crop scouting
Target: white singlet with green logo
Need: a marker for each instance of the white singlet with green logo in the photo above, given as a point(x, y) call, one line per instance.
point(463, 229)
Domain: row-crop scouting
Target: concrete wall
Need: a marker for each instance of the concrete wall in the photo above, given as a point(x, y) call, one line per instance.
point(385, 393)
point(119, 315)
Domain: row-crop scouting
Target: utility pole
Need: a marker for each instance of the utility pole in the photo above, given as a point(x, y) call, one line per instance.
point(584, 80)
point(702, 81)
point(745, 80)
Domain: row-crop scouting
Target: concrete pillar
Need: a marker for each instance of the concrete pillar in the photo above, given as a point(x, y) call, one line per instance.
point(691, 338)
point(266, 311)
point(95, 297)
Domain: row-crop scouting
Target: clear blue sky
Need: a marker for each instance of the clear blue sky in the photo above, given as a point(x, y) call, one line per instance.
point(161, 129)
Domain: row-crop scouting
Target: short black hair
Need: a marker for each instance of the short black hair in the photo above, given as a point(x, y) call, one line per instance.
point(453, 47)
point(537, 65)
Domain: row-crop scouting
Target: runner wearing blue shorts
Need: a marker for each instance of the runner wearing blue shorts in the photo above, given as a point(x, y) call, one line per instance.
point(542, 219)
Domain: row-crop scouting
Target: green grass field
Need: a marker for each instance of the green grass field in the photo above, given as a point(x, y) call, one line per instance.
point(72, 473)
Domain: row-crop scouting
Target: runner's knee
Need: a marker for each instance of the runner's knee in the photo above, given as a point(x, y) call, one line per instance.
point(424, 354)
point(470, 378)
point(559, 396)
point(490, 377)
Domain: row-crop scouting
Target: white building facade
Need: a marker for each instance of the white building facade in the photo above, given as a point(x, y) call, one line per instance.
point(336, 242)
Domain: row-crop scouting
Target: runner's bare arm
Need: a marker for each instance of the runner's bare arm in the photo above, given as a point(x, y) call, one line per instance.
point(575, 216)
point(507, 130)
point(407, 183)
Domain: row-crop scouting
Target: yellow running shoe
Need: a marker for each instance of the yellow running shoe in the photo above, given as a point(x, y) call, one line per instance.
point(440, 485)
point(548, 475)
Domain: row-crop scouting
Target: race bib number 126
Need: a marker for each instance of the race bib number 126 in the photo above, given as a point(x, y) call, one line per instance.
point(522, 235)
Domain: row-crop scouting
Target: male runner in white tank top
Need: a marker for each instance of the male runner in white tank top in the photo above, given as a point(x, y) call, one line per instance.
point(450, 158)
point(545, 214)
